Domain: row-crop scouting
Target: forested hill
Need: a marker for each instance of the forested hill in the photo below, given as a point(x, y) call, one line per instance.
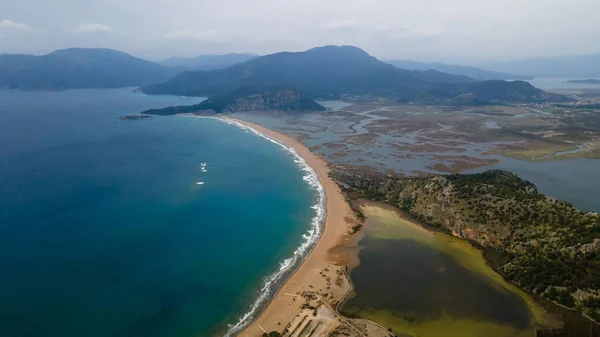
point(547, 246)
point(247, 99)
point(331, 71)
point(79, 68)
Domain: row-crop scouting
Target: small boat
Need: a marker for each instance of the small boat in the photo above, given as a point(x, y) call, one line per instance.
point(203, 164)
point(200, 183)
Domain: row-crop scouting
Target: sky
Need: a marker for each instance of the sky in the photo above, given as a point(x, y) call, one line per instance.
point(457, 31)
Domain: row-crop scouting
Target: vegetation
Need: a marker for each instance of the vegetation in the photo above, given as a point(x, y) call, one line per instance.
point(272, 334)
point(248, 99)
point(79, 68)
point(582, 107)
point(329, 72)
point(546, 246)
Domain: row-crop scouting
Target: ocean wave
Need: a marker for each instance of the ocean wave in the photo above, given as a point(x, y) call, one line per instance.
point(272, 283)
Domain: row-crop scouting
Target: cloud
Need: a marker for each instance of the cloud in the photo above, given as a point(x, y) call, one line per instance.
point(205, 35)
point(92, 28)
point(340, 25)
point(12, 25)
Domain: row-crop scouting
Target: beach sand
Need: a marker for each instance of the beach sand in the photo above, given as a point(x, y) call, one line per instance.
point(323, 271)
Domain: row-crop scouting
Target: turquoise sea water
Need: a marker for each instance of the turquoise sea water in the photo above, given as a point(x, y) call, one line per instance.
point(104, 230)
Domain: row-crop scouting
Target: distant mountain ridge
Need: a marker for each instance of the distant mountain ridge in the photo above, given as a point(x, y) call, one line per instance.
point(472, 72)
point(207, 62)
point(332, 71)
point(589, 81)
point(582, 66)
point(79, 68)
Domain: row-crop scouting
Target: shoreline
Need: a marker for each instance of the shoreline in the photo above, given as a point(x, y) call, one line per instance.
point(309, 275)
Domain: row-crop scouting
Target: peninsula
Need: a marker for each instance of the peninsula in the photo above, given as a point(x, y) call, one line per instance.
point(247, 99)
point(471, 207)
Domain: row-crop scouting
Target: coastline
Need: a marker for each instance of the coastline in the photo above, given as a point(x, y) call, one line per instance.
point(320, 264)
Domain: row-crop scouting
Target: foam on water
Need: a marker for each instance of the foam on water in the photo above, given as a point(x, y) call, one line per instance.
point(274, 281)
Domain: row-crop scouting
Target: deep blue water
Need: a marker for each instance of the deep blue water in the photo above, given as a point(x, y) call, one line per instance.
point(104, 231)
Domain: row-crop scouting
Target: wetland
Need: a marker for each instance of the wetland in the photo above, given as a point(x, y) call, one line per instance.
point(429, 282)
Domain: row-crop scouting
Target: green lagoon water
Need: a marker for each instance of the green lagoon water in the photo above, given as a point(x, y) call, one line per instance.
point(426, 284)
point(105, 232)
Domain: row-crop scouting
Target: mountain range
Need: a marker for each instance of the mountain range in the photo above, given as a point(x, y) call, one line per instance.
point(332, 71)
point(322, 72)
point(79, 68)
point(581, 66)
point(472, 72)
point(207, 62)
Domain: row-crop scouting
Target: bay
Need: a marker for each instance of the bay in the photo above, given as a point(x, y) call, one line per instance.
point(105, 231)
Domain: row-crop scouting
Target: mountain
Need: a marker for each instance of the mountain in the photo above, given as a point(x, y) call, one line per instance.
point(582, 66)
point(79, 68)
point(590, 81)
point(247, 99)
point(332, 71)
point(472, 72)
point(207, 62)
point(320, 72)
point(546, 246)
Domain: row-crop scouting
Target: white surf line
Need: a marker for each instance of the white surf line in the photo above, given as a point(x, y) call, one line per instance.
point(311, 237)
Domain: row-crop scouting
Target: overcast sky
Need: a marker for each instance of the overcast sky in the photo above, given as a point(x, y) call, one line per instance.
point(459, 31)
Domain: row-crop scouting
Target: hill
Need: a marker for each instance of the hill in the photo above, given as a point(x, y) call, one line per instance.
point(247, 99)
point(582, 66)
point(320, 72)
point(79, 68)
point(207, 62)
point(331, 71)
point(472, 72)
point(546, 246)
point(590, 81)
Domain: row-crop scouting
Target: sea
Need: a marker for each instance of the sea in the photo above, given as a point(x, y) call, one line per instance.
point(173, 226)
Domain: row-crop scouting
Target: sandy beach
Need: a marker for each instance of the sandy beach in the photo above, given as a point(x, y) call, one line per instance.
point(323, 270)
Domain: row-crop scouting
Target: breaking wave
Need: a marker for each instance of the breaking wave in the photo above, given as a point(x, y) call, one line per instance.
point(272, 283)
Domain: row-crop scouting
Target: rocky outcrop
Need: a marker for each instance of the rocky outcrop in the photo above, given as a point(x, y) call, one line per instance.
point(591, 247)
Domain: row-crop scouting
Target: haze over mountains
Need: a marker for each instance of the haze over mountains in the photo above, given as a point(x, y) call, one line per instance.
point(79, 68)
point(323, 72)
point(472, 72)
point(332, 71)
point(584, 66)
point(207, 62)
